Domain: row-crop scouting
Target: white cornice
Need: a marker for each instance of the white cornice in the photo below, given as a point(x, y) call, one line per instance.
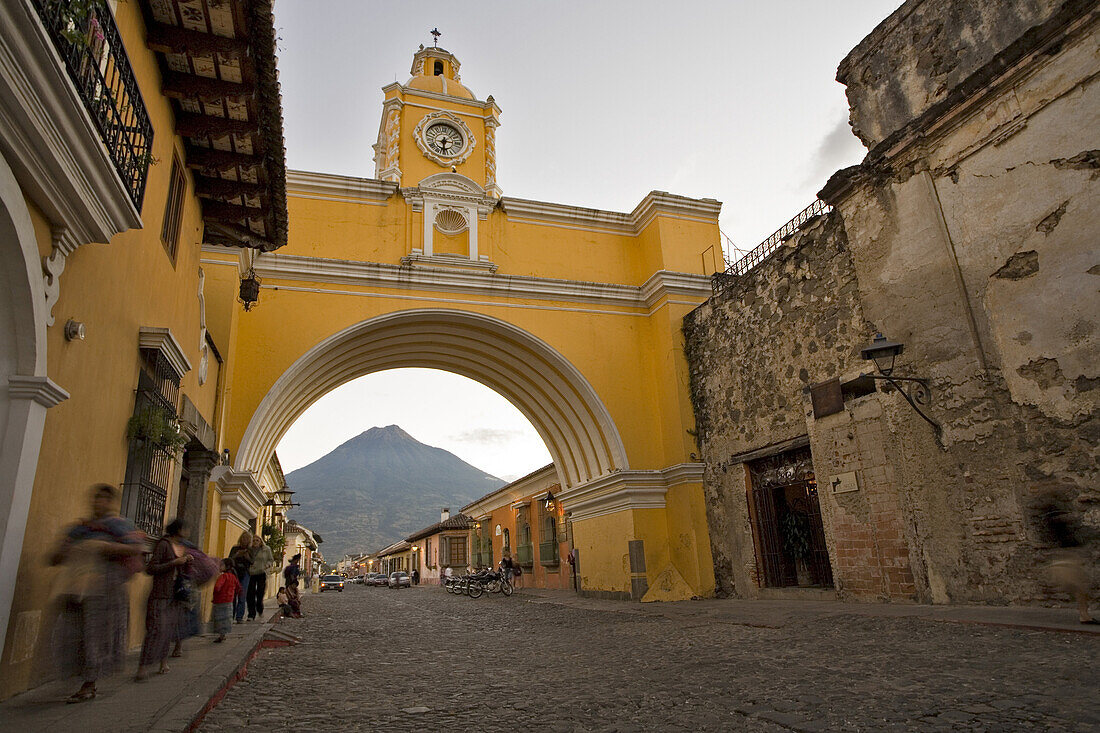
point(330, 187)
point(656, 203)
point(484, 284)
point(240, 495)
point(49, 139)
point(162, 340)
point(485, 105)
point(42, 390)
point(626, 491)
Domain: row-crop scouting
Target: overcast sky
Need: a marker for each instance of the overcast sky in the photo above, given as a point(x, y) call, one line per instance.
point(603, 101)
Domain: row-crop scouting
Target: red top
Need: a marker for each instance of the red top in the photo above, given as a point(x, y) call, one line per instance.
point(226, 588)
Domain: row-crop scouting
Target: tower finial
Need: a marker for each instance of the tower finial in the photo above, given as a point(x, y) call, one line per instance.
point(435, 35)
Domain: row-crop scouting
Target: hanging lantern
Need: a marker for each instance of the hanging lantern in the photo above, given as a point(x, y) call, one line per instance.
point(250, 290)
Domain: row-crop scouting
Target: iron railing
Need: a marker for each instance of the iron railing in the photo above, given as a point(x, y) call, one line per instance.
point(525, 555)
point(761, 252)
point(87, 39)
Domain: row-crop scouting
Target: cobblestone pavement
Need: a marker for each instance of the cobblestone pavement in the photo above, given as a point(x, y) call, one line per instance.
point(421, 659)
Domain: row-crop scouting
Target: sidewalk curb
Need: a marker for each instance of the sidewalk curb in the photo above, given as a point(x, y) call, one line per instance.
point(187, 713)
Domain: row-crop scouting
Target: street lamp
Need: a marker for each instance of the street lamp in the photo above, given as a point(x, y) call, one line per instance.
point(549, 501)
point(915, 390)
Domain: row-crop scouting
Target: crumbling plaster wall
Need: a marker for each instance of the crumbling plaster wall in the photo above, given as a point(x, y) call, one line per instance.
point(928, 49)
point(974, 237)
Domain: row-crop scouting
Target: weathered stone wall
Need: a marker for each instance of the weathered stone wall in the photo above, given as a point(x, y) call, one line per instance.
point(969, 235)
point(793, 321)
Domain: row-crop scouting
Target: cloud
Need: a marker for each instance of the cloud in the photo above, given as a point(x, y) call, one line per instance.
point(486, 436)
point(839, 148)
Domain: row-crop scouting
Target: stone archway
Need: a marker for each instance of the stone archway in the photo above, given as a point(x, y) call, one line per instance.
point(25, 390)
point(560, 403)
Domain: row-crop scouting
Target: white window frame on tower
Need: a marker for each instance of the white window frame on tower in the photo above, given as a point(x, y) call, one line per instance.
point(449, 192)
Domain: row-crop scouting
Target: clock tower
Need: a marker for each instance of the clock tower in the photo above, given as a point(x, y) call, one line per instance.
point(433, 124)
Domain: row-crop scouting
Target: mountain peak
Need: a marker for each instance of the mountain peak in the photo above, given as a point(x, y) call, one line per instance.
point(382, 484)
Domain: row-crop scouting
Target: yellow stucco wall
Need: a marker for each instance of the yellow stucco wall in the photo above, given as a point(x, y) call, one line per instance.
point(114, 289)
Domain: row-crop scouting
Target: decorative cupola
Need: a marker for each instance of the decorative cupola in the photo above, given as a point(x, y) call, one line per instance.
point(433, 124)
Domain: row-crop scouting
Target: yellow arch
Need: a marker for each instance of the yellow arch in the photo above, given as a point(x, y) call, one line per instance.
point(550, 392)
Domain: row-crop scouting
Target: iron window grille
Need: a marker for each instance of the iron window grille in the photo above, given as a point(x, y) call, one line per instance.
point(149, 466)
point(87, 40)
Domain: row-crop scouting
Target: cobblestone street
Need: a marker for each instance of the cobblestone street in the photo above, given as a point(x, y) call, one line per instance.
point(421, 659)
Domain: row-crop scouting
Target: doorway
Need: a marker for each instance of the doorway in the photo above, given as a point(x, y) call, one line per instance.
point(786, 522)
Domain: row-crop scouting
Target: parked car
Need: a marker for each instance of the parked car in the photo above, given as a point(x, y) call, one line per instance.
point(377, 579)
point(332, 582)
point(400, 580)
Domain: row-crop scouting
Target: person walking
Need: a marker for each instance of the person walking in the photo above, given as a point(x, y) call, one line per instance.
point(241, 555)
point(415, 577)
point(262, 560)
point(226, 590)
point(166, 598)
point(292, 570)
point(97, 558)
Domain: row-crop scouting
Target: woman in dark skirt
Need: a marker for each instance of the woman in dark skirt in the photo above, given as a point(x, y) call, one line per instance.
point(163, 611)
point(97, 556)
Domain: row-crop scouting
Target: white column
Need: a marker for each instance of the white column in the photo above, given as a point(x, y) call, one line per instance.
point(471, 215)
point(429, 224)
point(28, 399)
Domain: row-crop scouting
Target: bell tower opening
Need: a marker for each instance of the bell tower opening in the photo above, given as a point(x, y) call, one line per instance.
point(438, 68)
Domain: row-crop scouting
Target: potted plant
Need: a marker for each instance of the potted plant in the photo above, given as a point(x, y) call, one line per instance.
point(154, 426)
point(795, 528)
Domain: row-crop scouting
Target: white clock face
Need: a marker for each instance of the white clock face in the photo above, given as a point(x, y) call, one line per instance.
point(444, 140)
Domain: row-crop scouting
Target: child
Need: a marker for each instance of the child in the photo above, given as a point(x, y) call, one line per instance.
point(284, 602)
point(294, 600)
point(226, 591)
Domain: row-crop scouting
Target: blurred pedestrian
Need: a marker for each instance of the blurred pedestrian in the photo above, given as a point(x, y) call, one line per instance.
point(292, 570)
point(262, 560)
point(241, 555)
point(415, 577)
point(97, 557)
point(170, 592)
point(226, 590)
point(1061, 528)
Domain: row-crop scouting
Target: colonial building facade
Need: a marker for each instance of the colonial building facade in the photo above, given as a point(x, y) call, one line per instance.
point(132, 134)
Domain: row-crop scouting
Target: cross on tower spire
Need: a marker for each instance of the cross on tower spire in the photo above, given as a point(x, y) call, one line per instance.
point(435, 36)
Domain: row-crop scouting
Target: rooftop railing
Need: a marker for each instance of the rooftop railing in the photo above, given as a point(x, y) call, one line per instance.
point(87, 40)
point(765, 249)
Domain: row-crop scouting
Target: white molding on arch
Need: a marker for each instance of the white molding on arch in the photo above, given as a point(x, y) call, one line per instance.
point(550, 392)
point(240, 495)
point(26, 391)
point(626, 490)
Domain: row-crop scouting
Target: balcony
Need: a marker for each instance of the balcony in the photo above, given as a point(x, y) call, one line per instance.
point(524, 555)
point(87, 40)
point(548, 553)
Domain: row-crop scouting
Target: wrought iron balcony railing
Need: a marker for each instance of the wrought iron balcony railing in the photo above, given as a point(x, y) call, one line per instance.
point(525, 554)
point(548, 553)
point(762, 251)
point(87, 40)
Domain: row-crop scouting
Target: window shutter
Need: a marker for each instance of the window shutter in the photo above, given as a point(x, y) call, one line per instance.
point(444, 548)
